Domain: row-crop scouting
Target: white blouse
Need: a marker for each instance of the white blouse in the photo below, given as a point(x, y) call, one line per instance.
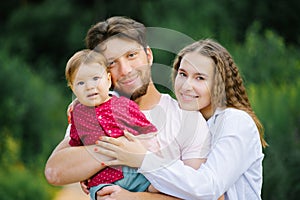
point(233, 166)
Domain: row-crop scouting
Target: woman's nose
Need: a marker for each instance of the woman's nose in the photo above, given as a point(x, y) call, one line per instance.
point(187, 85)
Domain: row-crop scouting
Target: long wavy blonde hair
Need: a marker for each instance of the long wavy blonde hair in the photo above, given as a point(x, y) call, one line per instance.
point(228, 88)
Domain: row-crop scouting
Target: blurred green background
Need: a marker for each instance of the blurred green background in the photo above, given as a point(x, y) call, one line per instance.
point(37, 38)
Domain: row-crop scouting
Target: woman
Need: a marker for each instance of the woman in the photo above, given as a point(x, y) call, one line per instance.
point(206, 79)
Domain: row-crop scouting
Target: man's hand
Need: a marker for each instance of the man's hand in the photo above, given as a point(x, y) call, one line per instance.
point(113, 192)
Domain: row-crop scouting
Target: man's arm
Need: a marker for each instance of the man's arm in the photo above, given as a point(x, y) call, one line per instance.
point(117, 193)
point(72, 164)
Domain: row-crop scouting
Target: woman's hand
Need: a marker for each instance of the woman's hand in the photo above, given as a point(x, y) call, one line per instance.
point(126, 150)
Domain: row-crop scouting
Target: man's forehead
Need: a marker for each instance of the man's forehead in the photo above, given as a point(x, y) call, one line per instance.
point(116, 47)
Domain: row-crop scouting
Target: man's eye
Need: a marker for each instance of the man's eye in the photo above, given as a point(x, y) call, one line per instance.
point(132, 54)
point(111, 64)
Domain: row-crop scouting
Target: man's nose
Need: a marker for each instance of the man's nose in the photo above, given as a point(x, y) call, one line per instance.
point(124, 66)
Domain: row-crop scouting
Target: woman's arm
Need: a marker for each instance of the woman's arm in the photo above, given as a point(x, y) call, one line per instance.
point(232, 154)
point(72, 164)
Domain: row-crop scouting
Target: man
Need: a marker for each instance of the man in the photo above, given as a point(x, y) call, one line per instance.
point(123, 43)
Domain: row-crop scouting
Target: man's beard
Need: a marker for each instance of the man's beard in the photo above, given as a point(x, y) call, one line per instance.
point(139, 92)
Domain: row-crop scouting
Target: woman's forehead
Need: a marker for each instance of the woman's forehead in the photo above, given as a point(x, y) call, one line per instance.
point(197, 62)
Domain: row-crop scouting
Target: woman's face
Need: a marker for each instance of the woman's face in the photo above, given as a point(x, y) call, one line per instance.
point(193, 83)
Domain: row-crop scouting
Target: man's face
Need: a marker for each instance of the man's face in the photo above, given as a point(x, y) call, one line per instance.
point(129, 66)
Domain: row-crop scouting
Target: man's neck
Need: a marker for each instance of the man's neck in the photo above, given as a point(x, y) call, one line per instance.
point(150, 99)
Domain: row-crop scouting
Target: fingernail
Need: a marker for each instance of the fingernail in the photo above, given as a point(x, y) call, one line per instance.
point(100, 137)
point(95, 149)
point(102, 163)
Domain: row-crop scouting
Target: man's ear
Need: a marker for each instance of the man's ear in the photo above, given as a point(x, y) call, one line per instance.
point(149, 55)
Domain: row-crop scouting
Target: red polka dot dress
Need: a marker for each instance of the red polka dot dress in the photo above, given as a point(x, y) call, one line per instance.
point(108, 119)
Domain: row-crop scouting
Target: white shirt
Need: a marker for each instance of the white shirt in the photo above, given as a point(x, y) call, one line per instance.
point(233, 167)
point(182, 134)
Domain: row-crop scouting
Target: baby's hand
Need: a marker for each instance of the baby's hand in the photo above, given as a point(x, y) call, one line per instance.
point(84, 187)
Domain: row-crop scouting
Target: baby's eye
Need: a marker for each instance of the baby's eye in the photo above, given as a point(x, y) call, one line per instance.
point(96, 78)
point(80, 83)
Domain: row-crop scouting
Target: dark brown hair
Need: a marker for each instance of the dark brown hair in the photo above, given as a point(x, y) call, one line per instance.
point(118, 27)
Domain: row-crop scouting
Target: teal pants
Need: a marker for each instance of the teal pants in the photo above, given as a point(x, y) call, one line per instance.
point(132, 181)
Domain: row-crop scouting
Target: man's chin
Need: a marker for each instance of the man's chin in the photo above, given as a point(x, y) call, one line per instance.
point(136, 93)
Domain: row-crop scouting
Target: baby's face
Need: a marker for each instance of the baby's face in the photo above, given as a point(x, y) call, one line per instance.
point(91, 84)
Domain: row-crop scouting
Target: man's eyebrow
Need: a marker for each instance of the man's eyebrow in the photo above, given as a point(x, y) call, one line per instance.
point(127, 51)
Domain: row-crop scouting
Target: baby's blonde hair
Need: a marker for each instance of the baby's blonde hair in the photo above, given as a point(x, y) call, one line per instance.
point(85, 56)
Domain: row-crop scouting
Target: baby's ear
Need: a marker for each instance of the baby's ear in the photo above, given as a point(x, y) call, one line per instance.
point(109, 79)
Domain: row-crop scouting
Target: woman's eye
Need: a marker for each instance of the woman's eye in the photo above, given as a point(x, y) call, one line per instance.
point(181, 74)
point(200, 78)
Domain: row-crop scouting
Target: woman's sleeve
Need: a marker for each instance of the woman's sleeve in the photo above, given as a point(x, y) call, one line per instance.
point(231, 155)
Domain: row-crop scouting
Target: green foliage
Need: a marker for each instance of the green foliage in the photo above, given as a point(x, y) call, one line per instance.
point(198, 19)
point(32, 112)
point(23, 185)
point(42, 35)
point(278, 109)
point(266, 58)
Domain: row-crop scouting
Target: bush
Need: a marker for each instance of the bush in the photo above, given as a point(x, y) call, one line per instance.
point(32, 112)
point(278, 109)
point(23, 185)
